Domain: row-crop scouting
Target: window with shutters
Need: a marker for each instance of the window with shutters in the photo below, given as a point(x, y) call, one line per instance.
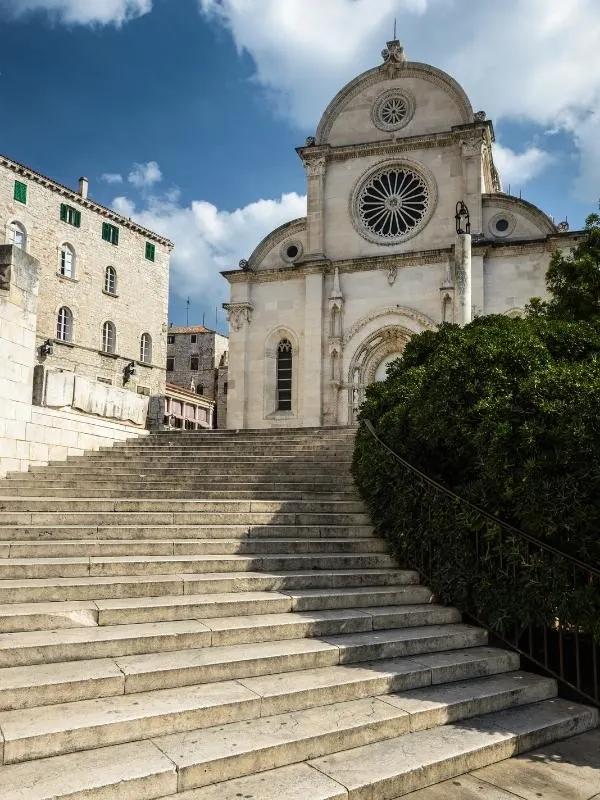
point(150, 251)
point(110, 281)
point(171, 338)
point(64, 325)
point(146, 348)
point(194, 363)
point(66, 265)
point(110, 233)
point(193, 339)
point(170, 364)
point(284, 375)
point(17, 235)
point(109, 338)
point(20, 192)
point(70, 215)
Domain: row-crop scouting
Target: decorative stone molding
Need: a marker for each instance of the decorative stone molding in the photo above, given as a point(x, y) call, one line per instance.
point(472, 147)
point(291, 250)
point(315, 167)
point(238, 314)
point(502, 225)
point(399, 311)
point(410, 69)
point(290, 229)
point(393, 110)
point(393, 53)
point(392, 273)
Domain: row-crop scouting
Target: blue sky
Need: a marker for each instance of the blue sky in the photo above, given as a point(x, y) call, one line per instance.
point(209, 97)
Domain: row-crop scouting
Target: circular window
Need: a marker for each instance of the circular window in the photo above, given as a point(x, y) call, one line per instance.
point(393, 110)
point(502, 225)
point(291, 251)
point(392, 204)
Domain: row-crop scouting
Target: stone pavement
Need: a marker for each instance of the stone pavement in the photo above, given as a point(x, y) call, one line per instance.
point(568, 770)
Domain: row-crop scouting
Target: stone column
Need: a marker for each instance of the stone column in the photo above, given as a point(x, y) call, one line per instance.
point(315, 164)
point(463, 277)
point(239, 315)
point(312, 357)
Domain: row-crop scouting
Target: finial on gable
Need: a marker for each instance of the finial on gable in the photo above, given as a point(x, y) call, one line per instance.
point(394, 53)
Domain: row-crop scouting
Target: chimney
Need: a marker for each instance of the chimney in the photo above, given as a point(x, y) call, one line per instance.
point(83, 187)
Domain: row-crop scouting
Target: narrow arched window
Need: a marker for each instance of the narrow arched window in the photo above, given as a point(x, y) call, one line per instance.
point(109, 338)
point(18, 235)
point(284, 375)
point(110, 280)
point(66, 265)
point(64, 325)
point(146, 348)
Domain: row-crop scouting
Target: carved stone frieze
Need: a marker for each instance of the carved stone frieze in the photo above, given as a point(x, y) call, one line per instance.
point(238, 314)
point(315, 167)
point(399, 311)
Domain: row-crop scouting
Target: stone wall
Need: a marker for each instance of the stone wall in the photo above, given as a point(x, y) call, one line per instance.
point(31, 435)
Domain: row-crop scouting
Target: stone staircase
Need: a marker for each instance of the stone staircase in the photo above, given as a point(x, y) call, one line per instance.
point(208, 616)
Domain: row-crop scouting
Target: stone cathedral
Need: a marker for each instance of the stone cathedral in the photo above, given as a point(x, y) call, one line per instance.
point(326, 302)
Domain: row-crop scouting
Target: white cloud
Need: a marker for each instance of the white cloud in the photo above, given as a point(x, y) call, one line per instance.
point(81, 12)
point(207, 239)
point(517, 169)
point(531, 60)
point(112, 177)
point(143, 176)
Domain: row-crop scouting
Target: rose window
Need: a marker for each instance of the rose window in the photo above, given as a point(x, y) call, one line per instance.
point(392, 203)
point(394, 111)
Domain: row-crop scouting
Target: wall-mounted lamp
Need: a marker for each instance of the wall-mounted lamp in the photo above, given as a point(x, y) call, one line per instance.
point(462, 217)
point(129, 371)
point(47, 348)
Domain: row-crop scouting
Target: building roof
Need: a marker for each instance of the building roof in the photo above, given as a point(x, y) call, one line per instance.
point(193, 329)
point(172, 388)
point(86, 202)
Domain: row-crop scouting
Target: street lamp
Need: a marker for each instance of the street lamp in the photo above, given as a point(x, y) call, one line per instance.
point(462, 216)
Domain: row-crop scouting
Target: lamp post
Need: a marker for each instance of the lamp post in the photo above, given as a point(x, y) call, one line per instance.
point(463, 261)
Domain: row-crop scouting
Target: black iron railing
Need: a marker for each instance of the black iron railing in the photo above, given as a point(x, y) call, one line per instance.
point(561, 631)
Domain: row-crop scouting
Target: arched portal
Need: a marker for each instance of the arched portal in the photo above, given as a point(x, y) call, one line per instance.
point(371, 360)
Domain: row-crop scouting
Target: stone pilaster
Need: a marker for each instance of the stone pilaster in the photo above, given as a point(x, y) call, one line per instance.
point(315, 161)
point(240, 317)
point(463, 277)
point(312, 379)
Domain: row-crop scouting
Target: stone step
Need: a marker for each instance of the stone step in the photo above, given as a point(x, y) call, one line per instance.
point(16, 617)
point(290, 674)
point(112, 587)
point(240, 545)
point(40, 518)
point(70, 644)
point(204, 757)
point(185, 667)
point(146, 565)
point(182, 494)
point(17, 533)
point(398, 766)
point(207, 736)
point(395, 767)
point(132, 505)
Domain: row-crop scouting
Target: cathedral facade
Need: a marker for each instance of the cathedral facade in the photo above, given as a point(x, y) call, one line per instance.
point(406, 227)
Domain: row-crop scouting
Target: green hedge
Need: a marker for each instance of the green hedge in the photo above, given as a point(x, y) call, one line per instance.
point(506, 413)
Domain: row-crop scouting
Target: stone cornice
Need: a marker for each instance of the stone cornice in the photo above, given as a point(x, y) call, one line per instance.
point(85, 202)
point(493, 248)
point(390, 147)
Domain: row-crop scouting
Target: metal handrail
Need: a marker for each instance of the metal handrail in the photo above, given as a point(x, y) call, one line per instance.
point(506, 525)
point(568, 654)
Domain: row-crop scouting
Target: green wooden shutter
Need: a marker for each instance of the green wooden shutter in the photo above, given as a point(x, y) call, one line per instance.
point(150, 251)
point(115, 237)
point(63, 212)
point(20, 192)
point(106, 231)
point(77, 219)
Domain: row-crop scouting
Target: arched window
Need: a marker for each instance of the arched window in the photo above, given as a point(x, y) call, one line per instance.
point(18, 235)
point(110, 280)
point(109, 338)
point(284, 375)
point(146, 348)
point(64, 325)
point(66, 266)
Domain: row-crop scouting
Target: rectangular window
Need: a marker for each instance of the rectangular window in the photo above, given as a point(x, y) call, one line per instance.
point(171, 338)
point(193, 338)
point(194, 363)
point(170, 364)
point(143, 390)
point(70, 215)
point(110, 233)
point(150, 251)
point(20, 192)
point(104, 380)
point(225, 388)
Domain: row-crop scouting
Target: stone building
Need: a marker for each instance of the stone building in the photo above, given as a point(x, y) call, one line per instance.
point(326, 302)
point(197, 359)
point(103, 291)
